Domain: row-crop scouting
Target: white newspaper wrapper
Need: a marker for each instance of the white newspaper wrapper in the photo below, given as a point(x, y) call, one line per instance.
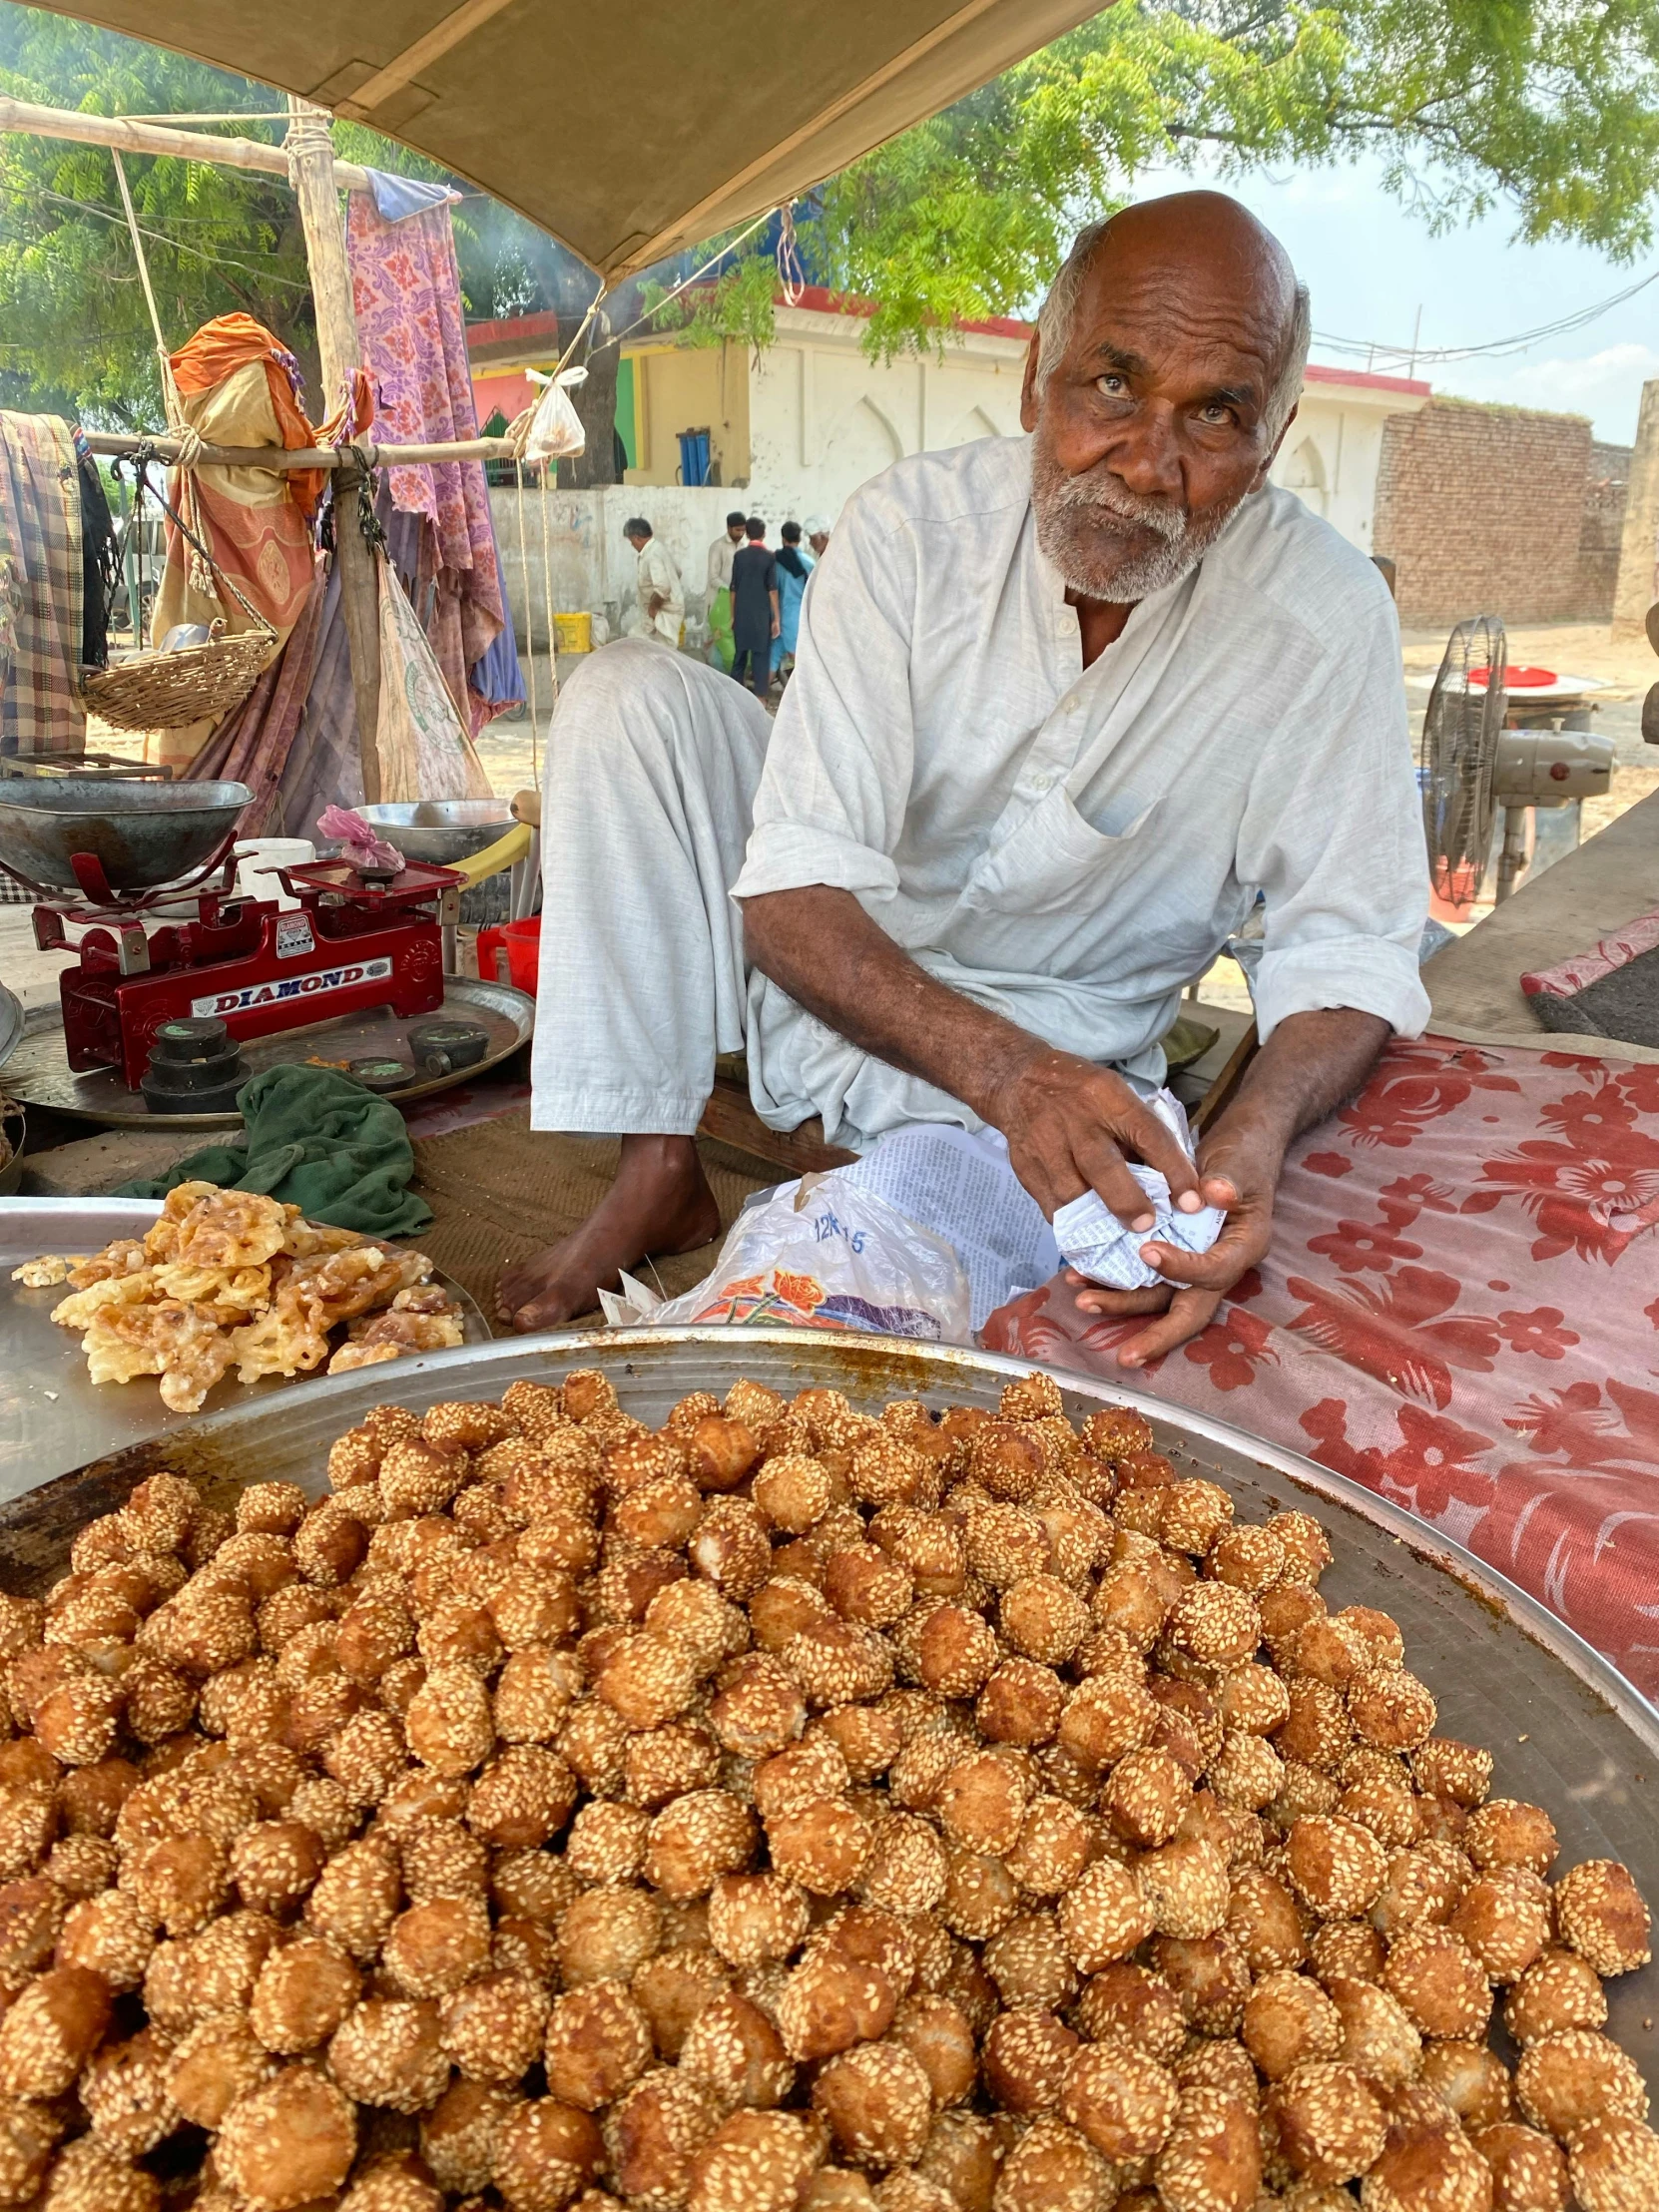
point(1094, 1242)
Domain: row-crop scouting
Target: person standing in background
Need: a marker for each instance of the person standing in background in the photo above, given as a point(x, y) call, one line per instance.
point(754, 619)
point(817, 535)
point(722, 554)
point(793, 568)
point(662, 600)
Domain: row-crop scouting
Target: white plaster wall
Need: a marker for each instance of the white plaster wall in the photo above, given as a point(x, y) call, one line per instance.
point(823, 417)
point(590, 563)
point(1331, 454)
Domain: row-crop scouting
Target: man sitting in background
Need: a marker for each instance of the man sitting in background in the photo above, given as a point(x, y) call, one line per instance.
point(1063, 707)
point(661, 604)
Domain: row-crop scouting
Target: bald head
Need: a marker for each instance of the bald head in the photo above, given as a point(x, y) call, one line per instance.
point(1201, 245)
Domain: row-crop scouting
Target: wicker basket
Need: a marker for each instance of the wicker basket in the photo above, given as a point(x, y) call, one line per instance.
point(168, 691)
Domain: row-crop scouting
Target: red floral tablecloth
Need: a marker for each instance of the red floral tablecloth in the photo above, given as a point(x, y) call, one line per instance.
point(1461, 1311)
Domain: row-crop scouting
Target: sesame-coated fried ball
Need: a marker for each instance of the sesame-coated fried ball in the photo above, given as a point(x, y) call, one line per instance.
point(389, 2052)
point(877, 2102)
point(1212, 2162)
point(1052, 2168)
point(596, 2044)
point(1290, 2022)
point(1505, 1832)
point(1440, 1981)
point(1336, 1867)
point(1529, 2171)
point(696, 1840)
point(736, 2050)
point(547, 2153)
point(304, 1993)
point(87, 2177)
point(607, 1934)
point(1120, 2099)
point(1186, 1888)
point(289, 2141)
point(1504, 1918)
point(1614, 2164)
point(651, 2134)
point(51, 2030)
point(1105, 1916)
point(1564, 2080)
point(1561, 1990)
point(1325, 2122)
point(1602, 1915)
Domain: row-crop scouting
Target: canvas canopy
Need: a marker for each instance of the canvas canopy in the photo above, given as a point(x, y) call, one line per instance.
point(626, 129)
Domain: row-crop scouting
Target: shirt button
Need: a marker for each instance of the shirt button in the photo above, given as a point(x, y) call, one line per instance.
point(1042, 781)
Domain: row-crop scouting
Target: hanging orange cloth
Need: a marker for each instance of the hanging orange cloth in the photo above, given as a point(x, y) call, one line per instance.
point(238, 386)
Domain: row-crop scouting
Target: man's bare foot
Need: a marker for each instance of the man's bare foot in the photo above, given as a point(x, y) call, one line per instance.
point(659, 1203)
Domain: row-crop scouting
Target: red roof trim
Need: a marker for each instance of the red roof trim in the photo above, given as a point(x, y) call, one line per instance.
point(819, 300)
point(1317, 374)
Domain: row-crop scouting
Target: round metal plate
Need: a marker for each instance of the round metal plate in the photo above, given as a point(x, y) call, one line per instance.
point(1566, 1730)
point(39, 1074)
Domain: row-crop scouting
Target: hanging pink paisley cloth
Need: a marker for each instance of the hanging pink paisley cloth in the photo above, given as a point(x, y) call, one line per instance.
point(407, 292)
point(1459, 1309)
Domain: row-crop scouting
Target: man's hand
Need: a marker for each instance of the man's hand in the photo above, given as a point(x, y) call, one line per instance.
point(1310, 1064)
point(1239, 1168)
point(654, 606)
point(1072, 1127)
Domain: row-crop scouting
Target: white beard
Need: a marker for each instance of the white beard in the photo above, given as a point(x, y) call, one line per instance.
point(1093, 529)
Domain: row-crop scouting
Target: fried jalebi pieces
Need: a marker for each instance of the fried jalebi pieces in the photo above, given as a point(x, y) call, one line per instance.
point(160, 1239)
point(44, 1273)
point(182, 1343)
point(237, 1291)
point(126, 1255)
point(360, 1355)
point(306, 1240)
point(344, 1284)
point(79, 1308)
point(232, 1229)
point(280, 1341)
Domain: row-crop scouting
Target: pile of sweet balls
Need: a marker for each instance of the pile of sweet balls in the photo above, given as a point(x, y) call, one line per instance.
point(785, 1809)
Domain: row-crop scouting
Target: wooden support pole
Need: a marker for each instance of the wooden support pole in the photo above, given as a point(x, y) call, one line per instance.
point(312, 149)
point(1633, 593)
point(154, 138)
point(282, 458)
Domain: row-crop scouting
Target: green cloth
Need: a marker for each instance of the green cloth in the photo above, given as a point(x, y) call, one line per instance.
point(720, 627)
point(315, 1140)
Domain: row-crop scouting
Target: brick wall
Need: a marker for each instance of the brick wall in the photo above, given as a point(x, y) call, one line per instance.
point(1501, 510)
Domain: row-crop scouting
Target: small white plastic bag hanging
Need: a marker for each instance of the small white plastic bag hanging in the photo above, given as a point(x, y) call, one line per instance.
point(819, 1254)
point(555, 431)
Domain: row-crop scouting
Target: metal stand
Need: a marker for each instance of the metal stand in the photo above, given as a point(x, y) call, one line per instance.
point(1512, 859)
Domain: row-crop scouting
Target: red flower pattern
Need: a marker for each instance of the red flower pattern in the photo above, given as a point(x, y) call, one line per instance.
point(1403, 1344)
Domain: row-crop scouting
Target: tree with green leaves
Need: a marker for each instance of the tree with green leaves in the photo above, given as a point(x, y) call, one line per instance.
point(1548, 107)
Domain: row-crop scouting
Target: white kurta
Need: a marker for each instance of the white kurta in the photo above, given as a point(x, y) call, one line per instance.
point(657, 577)
point(1069, 846)
point(720, 556)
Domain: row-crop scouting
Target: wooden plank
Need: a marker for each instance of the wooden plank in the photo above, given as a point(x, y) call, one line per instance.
point(1224, 1089)
point(729, 1118)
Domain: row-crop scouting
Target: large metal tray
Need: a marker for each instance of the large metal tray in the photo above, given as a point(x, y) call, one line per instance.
point(38, 1072)
point(52, 1416)
point(1567, 1731)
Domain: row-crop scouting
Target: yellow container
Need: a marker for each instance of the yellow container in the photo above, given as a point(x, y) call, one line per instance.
point(573, 633)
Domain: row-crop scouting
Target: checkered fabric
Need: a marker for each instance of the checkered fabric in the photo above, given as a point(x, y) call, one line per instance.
point(40, 587)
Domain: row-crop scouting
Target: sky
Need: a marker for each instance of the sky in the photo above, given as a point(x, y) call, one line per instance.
point(1370, 264)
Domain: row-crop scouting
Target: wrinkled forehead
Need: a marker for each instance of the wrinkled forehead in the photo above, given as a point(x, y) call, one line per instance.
point(1220, 320)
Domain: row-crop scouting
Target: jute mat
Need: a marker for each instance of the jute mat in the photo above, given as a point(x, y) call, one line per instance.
point(501, 1191)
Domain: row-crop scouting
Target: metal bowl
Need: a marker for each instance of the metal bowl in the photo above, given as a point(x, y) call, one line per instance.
point(142, 833)
point(1566, 1730)
point(441, 831)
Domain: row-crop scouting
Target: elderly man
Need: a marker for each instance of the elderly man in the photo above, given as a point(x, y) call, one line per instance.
point(660, 606)
point(1063, 707)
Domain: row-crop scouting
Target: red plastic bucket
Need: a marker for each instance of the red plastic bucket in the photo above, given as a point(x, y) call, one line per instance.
point(521, 943)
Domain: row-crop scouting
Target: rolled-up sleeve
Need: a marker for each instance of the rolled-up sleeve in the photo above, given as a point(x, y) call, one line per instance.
point(1333, 837)
point(832, 803)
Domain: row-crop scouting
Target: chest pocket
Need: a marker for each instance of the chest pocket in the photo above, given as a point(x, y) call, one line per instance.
point(1054, 858)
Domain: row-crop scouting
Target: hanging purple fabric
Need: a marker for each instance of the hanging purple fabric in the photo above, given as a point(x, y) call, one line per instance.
point(408, 293)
